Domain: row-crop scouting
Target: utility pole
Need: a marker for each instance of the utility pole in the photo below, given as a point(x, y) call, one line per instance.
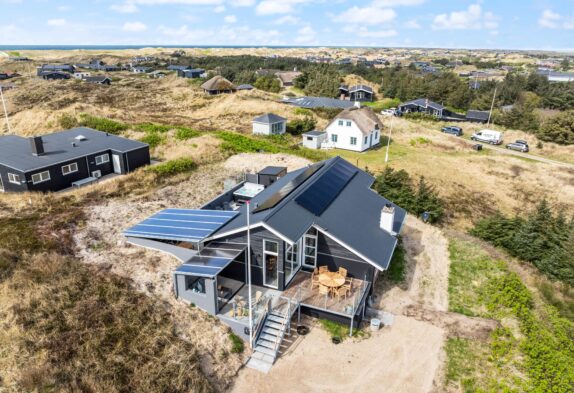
point(491, 107)
point(249, 277)
point(389, 139)
point(5, 110)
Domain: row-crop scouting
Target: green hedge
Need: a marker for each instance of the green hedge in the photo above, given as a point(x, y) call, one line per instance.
point(173, 167)
point(102, 124)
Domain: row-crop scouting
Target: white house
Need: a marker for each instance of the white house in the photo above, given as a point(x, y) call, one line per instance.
point(269, 124)
point(356, 129)
point(80, 74)
point(314, 139)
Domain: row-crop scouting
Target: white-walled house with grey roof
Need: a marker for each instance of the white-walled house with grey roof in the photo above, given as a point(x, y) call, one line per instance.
point(269, 124)
point(356, 129)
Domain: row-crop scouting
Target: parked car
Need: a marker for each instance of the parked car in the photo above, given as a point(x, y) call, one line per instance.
point(390, 112)
point(519, 145)
point(488, 136)
point(454, 130)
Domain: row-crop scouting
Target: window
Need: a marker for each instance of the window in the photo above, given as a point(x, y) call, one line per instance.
point(341, 122)
point(292, 261)
point(70, 168)
point(102, 159)
point(348, 123)
point(366, 140)
point(376, 134)
point(270, 263)
point(334, 138)
point(309, 138)
point(353, 140)
point(12, 178)
point(310, 248)
point(195, 284)
point(40, 177)
point(277, 128)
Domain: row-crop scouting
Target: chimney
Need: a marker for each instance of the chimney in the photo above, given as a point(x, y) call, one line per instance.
point(37, 145)
point(387, 218)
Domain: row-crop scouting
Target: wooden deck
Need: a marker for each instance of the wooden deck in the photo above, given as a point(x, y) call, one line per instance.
point(312, 298)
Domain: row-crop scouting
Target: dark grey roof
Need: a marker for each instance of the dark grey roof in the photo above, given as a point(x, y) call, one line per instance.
point(269, 118)
point(353, 217)
point(344, 87)
point(479, 115)
point(175, 67)
point(366, 88)
point(272, 170)
point(16, 153)
point(318, 102)
point(423, 102)
point(97, 79)
point(245, 87)
point(314, 133)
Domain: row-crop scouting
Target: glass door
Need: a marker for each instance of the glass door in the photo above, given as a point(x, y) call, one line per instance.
point(292, 261)
point(310, 248)
point(270, 263)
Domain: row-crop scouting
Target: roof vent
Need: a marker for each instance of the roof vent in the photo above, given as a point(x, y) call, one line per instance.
point(73, 144)
point(80, 138)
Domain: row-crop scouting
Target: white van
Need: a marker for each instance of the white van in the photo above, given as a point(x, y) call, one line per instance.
point(488, 136)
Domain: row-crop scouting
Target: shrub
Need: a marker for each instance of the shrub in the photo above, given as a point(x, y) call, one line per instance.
point(102, 124)
point(397, 268)
point(173, 167)
point(237, 143)
point(300, 126)
point(67, 121)
point(268, 83)
point(183, 133)
point(153, 139)
point(237, 345)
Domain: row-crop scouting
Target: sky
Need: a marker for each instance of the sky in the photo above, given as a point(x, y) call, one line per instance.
point(492, 24)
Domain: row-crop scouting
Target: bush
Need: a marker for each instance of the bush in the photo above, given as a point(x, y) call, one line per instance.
point(300, 126)
point(397, 268)
point(153, 139)
point(67, 121)
point(173, 167)
point(102, 124)
point(237, 143)
point(237, 345)
point(183, 133)
point(268, 83)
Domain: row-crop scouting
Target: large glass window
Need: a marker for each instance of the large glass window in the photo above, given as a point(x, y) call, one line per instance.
point(310, 248)
point(292, 261)
point(195, 284)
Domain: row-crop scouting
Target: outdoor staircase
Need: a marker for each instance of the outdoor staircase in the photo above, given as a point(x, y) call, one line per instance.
point(267, 345)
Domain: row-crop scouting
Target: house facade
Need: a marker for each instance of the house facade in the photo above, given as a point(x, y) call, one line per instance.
point(269, 124)
point(324, 215)
point(314, 139)
point(191, 73)
point(218, 85)
point(356, 129)
point(66, 158)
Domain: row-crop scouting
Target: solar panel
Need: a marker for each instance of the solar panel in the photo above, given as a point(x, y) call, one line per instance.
point(210, 261)
point(323, 192)
point(278, 196)
point(181, 224)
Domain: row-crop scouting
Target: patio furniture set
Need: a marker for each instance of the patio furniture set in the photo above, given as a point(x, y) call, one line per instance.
point(332, 284)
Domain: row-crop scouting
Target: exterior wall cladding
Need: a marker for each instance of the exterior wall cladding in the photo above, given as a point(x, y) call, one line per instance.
point(86, 165)
point(329, 253)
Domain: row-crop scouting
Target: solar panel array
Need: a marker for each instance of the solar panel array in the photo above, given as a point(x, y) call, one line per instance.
point(278, 196)
point(181, 224)
point(211, 260)
point(317, 197)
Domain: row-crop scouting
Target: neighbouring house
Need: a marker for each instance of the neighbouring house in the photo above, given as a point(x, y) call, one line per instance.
point(344, 92)
point(356, 129)
point(53, 75)
point(100, 80)
point(191, 73)
point(5, 75)
point(245, 87)
point(477, 116)
point(321, 218)
point(287, 77)
point(424, 105)
point(318, 102)
point(158, 74)
point(7, 86)
point(141, 70)
point(269, 124)
point(361, 93)
point(555, 76)
point(177, 67)
point(45, 68)
point(218, 85)
point(81, 74)
point(314, 139)
point(65, 159)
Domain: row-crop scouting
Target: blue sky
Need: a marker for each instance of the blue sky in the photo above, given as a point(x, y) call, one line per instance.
point(516, 24)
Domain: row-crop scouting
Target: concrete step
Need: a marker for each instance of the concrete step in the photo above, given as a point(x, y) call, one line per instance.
point(259, 364)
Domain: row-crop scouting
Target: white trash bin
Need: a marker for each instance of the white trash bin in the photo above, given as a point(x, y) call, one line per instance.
point(375, 324)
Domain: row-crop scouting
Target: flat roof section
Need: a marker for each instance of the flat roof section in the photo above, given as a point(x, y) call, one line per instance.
point(210, 261)
point(186, 225)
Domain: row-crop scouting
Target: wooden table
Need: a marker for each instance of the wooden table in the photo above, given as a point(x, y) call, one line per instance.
point(331, 279)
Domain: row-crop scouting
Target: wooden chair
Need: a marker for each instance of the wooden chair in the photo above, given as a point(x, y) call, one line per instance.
point(341, 291)
point(323, 269)
point(343, 272)
point(323, 290)
point(315, 280)
point(349, 284)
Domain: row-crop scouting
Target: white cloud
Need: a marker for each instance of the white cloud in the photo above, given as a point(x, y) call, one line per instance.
point(472, 18)
point(127, 8)
point(366, 16)
point(64, 8)
point(226, 34)
point(397, 3)
point(376, 33)
point(180, 2)
point(134, 26)
point(287, 20)
point(242, 3)
point(270, 7)
point(553, 20)
point(56, 22)
point(412, 24)
point(230, 19)
point(305, 35)
point(219, 9)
